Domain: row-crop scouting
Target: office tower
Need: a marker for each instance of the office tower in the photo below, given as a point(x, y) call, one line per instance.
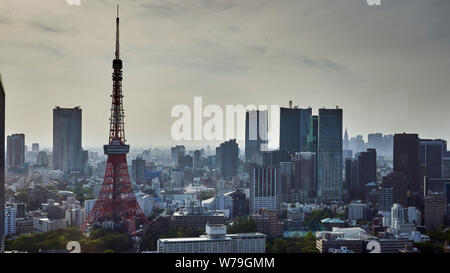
point(147, 155)
point(116, 205)
point(228, 159)
point(398, 216)
point(265, 189)
point(35, 147)
point(329, 155)
point(399, 184)
point(286, 177)
point(16, 150)
point(357, 211)
point(2, 162)
point(197, 159)
point(406, 159)
point(351, 174)
point(84, 160)
point(67, 139)
point(432, 154)
point(138, 170)
point(42, 159)
point(367, 167)
point(256, 134)
point(435, 209)
point(294, 130)
point(176, 152)
point(305, 173)
point(385, 199)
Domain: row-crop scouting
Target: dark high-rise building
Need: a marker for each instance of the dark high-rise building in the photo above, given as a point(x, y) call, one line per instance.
point(295, 124)
point(399, 184)
point(240, 203)
point(432, 155)
point(367, 167)
point(256, 134)
point(435, 209)
point(286, 177)
point(16, 150)
point(305, 173)
point(197, 159)
point(35, 147)
point(227, 156)
point(138, 170)
point(176, 152)
point(67, 139)
point(187, 161)
point(84, 160)
point(329, 155)
point(351, 177)
point(2, 163)
point(406, 159)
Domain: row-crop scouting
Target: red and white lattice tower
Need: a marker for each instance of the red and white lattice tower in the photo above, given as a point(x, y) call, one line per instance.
point(116, 205)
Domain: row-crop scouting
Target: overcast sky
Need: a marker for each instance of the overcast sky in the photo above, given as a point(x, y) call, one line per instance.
point(388, 67)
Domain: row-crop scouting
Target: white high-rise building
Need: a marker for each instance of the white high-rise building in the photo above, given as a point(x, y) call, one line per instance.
point(397, 216)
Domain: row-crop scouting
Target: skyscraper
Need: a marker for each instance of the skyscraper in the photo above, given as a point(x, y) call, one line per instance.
point(305, 173)
point(67, 139)
point(227, 156)
point(406, 159)
point(256, 134)
point(432, 154)
point(2, 162)
point(366, 172)
point(295, 124)
point(16, 150)
point(329, 155)
point(265, 189)
point(138, 170)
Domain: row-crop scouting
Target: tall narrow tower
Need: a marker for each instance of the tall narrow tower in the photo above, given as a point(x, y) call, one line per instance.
point(116, 205)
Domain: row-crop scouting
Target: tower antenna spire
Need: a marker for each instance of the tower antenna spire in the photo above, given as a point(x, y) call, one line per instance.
point(117, 34)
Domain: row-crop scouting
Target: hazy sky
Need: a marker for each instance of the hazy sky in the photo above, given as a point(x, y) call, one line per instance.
point(388, 67)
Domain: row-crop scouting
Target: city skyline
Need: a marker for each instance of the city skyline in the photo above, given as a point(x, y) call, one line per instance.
point(304, 58)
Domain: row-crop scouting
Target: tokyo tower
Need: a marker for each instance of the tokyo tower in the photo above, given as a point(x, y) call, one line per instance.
point(116, 206)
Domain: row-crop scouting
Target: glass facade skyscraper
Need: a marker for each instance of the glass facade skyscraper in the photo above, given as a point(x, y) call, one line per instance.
point(329, 155)
point(67, 139)
point(295, 124)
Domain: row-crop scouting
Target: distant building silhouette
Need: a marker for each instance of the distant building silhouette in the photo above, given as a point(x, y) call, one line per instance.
point(16, 150)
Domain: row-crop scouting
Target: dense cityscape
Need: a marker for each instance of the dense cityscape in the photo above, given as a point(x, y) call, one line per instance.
point(321, 191)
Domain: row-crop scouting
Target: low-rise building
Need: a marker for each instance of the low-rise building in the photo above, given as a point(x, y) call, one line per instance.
point(216, 240)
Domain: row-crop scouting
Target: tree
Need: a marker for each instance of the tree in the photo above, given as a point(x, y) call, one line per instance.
point(243, 226)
